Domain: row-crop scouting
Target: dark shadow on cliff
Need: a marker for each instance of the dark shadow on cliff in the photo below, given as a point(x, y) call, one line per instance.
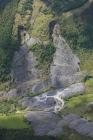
point(59, 6)
point(78, 29)
point(3, 3)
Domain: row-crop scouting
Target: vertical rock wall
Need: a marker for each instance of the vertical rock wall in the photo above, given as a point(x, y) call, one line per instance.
point(65, 69)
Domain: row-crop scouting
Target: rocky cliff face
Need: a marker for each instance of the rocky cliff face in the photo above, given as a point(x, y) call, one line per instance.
point(65, 69)
point(24, 66)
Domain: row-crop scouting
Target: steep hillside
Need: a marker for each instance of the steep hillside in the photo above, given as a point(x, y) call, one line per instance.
point(46, 58)
point(35, 16)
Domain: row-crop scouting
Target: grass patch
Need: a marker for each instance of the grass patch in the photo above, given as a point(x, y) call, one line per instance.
point(78, 105)
point(40, 27)
point(13, 122)
point(42, 17)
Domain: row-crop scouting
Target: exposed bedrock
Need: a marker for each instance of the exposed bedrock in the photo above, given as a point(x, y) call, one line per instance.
point(23, 66)
point(48, 123)
point(52, 100)
point(65, 77)
point(65, 69)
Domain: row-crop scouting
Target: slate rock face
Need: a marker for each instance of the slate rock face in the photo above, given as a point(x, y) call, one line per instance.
point(24, 72)
point(45, 123)
point(65, 69)
point(23, 66)
point(49, 123)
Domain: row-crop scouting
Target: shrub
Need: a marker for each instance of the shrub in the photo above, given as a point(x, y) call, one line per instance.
point(44, 54)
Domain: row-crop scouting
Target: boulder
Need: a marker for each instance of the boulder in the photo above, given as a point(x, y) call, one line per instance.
point(89, 107)
point(73, 90)
point(80, 125)
point(40, 87)
point(12, 94)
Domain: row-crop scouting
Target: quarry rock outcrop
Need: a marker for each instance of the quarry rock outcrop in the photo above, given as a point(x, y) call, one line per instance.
point(65, 69)
point(23, 67)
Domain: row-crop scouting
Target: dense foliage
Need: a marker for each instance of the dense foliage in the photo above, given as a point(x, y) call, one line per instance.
point(78, 30)
point(27, 134)
point(7, 44)
point(3, 3)
point(25, 7)
point(44, 55)
point(59, 6)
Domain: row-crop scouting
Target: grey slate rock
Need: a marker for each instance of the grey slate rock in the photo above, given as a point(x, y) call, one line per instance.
point(23, 67)
point(12, 94)
point(52, 100)
point(65, 69)
point(39, 87)
point(45, 123)
point(78, 124)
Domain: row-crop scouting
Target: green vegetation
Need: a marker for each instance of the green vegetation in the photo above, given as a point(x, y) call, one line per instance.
point(44, 54)
point(3, 3)
point(9, 107)
point(78, 104)
point(63, 5)
point(15, 121)
point(59, 6)
point(12, 115)
point(78, 30)
point(22, 134)
point(7, 44)
point(27, 134)
point(4, 86)
point(25, 7)
point(32, 94)
point(41, 16)
point(86, 58)
point(72, 135)
point(79, 33)
point(40, 28)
